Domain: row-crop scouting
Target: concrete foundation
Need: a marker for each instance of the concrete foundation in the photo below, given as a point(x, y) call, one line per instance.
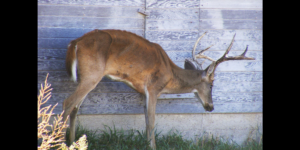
point(233, 127)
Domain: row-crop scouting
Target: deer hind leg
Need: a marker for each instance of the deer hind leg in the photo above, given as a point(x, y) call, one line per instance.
point(72, 103)
point(151, 98)
point(89, 78)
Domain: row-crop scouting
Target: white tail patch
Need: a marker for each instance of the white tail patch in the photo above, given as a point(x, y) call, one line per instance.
point(74, 66)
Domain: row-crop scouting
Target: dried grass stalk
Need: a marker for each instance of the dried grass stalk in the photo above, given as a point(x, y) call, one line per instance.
point(52, 135)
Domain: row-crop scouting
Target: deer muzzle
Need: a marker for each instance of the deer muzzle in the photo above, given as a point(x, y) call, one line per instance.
point(208, 107)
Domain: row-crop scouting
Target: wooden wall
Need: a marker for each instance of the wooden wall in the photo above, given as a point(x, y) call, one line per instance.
point(175, 25)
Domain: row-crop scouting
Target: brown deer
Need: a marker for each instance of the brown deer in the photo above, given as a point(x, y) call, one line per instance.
point(142, 65)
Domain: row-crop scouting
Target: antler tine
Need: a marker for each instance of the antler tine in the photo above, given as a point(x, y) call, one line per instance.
point(200, 55)
point(244, 53)
point(229, 48)
point(239, 57)
point(193, 52)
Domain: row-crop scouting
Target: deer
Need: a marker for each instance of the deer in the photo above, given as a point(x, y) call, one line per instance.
point(142, 65)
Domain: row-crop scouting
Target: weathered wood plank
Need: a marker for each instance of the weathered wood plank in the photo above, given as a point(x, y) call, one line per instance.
point(137, 98)
point(102, 87)
point(184, 14)
point(238, 76)
point(89, 11)
point(230, 14)
point(173, 45)
point(51, 54)
point(132, 3)
point(172, 24)
point(238, 45)
point(90, 22)
point(218, 107)
point(62, 76)
point(237, 86)
point(235, 4)
point(230, 24)
point(181, 56)
point(172, 108)
point(241, 65)
point(119, 103)
point(54, 43)
point(166, 14)
point(172, 4)
point(51, 65)
point(118, 87)
point(232, 97)
point(210, 35)
point(54, 76)
point(45, 32)
point(178, 58)
point(171, 35)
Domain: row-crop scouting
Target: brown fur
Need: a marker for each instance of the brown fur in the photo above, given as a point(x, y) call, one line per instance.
point(129, 57)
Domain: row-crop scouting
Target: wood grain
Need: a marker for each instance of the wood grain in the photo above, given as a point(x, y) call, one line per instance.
point(48, 32)
point(119, 87)
point(238, 45)
point(62, 76)
point(231, 4)
point(60, 54)
point(88, 11)
point(172, 4)
point(241, 65)
point(115, 103)
point(169, 35)
point(90, 22)
point(173, 14)
point(230, 14)
point(172, 24)
point(132, 3)
point(230, 24)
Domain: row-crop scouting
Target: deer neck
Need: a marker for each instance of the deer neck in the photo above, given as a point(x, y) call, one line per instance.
point(184, 81)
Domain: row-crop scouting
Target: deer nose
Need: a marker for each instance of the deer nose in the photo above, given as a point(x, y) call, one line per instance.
point(209, 107)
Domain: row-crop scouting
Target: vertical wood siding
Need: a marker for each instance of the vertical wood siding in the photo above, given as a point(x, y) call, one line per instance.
point(175, 25)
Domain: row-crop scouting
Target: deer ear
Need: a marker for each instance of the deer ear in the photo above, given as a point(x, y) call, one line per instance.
point(211, 68)
point(189, 65)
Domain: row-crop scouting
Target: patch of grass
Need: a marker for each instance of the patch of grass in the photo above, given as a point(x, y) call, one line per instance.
point(112, 139)
point(119, 139)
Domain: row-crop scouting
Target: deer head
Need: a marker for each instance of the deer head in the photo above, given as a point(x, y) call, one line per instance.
point(204, 89)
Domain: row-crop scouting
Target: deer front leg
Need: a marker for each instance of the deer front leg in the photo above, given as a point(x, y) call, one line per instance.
point(151, 99)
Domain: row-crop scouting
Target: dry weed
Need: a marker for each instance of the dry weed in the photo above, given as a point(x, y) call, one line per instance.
point(52, 135)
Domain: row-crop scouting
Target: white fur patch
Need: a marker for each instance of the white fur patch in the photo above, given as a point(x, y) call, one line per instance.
point(147, 96)
point(115, 78)
point(74, 66)
point(194, 91)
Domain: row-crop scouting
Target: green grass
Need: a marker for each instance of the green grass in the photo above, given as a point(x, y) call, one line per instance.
point(118, 139)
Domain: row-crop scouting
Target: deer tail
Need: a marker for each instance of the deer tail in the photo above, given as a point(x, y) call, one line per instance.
point(71, 60)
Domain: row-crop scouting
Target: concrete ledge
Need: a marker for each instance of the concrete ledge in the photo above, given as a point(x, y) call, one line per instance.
point(235, 127)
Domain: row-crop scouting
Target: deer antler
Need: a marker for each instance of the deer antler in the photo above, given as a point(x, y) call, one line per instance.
point(225, 58)
point(199, 55)
point(239, 57)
